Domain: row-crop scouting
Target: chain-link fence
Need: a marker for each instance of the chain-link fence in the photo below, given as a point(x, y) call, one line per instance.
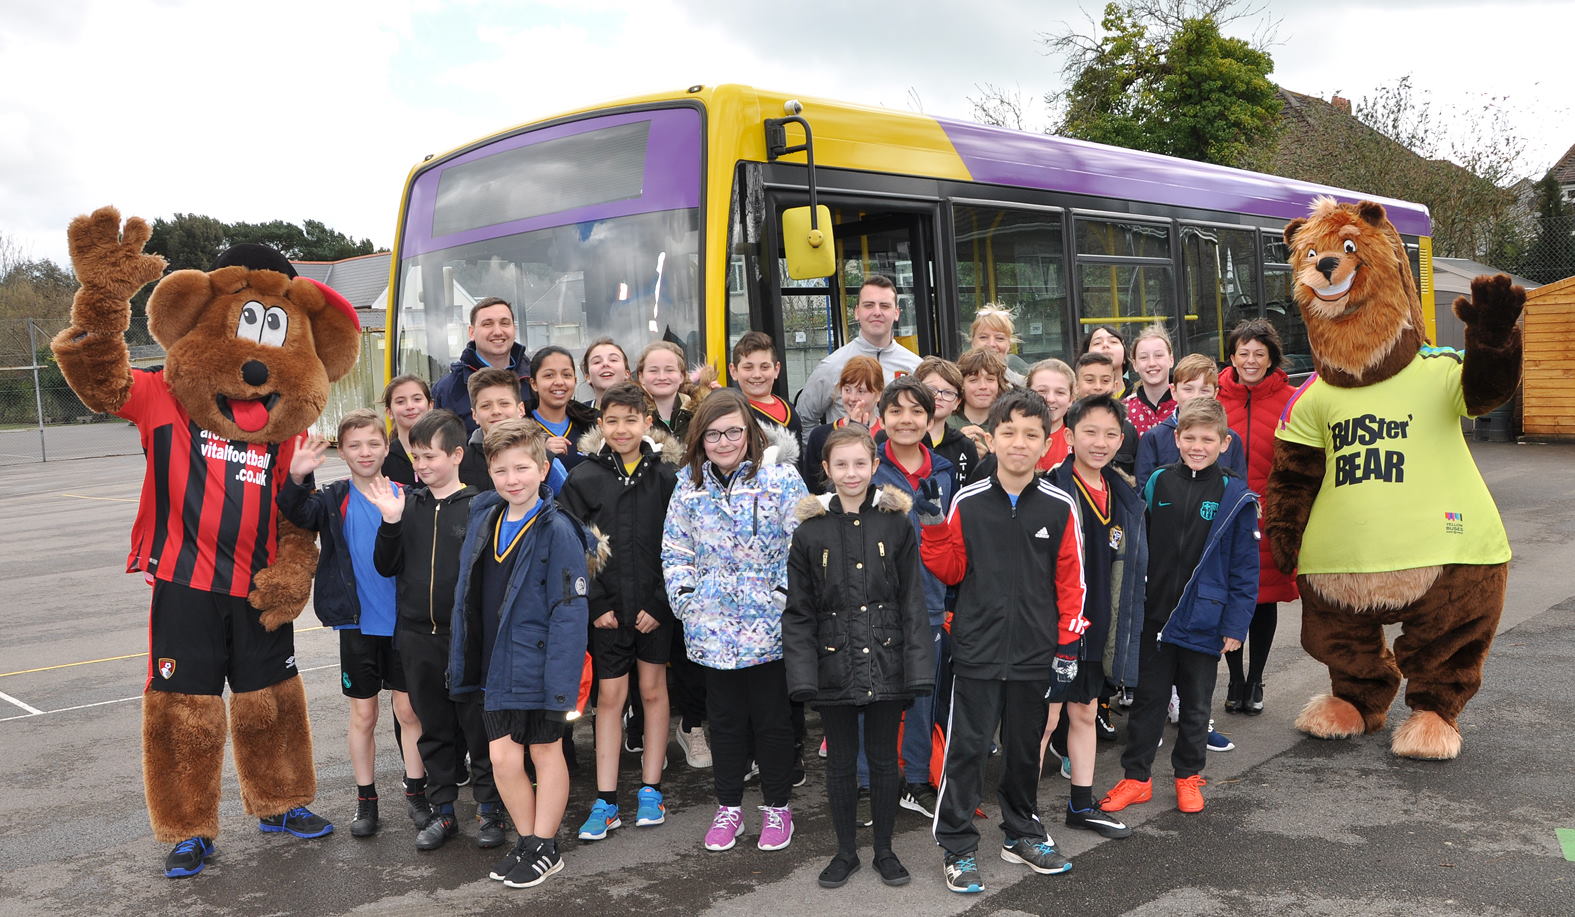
point(41, 419)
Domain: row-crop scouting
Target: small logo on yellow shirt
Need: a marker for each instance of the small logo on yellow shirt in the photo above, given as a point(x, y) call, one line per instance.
point(1454, 523)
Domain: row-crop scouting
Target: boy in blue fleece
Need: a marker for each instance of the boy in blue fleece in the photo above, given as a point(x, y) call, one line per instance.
point(1202, 588)
point(519, 625)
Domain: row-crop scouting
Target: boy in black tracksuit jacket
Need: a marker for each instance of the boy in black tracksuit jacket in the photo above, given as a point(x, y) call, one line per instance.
point(1202, 589)
point(421, 551)
point(1017, 562)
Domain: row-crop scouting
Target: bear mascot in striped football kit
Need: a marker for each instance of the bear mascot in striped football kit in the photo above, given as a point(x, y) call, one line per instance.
point(251, 351)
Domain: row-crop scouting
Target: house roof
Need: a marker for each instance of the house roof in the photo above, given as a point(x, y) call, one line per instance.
point(1564, 170)
point(363, 279)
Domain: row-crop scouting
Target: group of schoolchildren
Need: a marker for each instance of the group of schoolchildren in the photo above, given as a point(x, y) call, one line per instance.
point(961, 565)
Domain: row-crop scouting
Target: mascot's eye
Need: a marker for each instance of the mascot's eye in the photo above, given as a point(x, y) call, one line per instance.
point(1312, 253)
point(251, 323)
point(274, 326)
point(1350, 247)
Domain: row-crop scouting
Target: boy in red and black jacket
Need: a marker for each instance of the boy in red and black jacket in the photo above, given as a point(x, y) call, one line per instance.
point(1013, 547)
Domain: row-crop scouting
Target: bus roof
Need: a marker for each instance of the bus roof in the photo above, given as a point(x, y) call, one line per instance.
point(875, 139)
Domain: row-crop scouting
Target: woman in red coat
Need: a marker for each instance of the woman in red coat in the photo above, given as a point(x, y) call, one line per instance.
point(1254, 391)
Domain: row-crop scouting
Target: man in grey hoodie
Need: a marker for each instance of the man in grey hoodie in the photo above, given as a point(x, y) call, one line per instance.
point(876, 314)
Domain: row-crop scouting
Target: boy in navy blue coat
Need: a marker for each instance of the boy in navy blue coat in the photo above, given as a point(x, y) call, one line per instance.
point(1202, 588)
point(1196, 376)
point(353, 598)
point(519, 626)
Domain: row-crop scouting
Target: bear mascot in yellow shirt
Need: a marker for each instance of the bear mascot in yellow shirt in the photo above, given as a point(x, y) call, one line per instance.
point(1373, 498)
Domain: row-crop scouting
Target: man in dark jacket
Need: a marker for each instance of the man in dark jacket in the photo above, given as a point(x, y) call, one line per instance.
point(1202, 586)
point(418, 544)
point(1005, 539)
point(492, 343)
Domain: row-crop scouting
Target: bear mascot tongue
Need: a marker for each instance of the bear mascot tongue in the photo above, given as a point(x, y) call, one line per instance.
point(250, 416)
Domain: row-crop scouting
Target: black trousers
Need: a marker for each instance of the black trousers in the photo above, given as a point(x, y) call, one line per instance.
point(748, 709)
point(1161, 665)
point(687, 686)
point(881, 720)
point(448, 727)
point(977, 706)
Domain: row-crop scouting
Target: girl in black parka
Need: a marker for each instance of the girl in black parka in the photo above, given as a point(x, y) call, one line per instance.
point(856, 638)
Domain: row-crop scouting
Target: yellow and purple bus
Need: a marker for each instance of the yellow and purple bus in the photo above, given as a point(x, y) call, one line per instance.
point(661, 217)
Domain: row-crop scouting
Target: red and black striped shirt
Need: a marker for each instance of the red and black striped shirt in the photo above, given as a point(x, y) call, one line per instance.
point(207, 516)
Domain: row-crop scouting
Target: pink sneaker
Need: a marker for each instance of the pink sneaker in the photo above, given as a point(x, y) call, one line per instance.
point(776, 827)
point(725, 828)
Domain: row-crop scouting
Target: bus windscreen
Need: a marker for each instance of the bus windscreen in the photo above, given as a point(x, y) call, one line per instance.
point(548, 177)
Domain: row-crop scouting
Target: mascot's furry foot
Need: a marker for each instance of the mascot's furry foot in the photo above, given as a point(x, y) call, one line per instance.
point(1329, 717)
point(1427, 736)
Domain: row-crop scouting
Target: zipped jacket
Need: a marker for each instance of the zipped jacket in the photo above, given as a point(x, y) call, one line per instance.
point(629, 510)
point(539, 650)
point(1158, 447)
point(334, 597)
point(453, 392)
point(1019, 577)
point(1221, 593)
point(421, 551)
point(1255, 411)
point(855, 629)
point(724, 556)
point(1123, 620)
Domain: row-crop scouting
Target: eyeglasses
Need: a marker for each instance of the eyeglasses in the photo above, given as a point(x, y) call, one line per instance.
point(942, 395)
point(733, 434)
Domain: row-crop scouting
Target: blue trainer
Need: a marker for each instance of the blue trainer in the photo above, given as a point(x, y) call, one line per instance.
point(603, 818)
point(188, 857)
point(1218, 741)
point(652, 810)
point(299, 821)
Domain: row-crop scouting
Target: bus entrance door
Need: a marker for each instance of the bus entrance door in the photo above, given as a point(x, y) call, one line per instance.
point(818, 315)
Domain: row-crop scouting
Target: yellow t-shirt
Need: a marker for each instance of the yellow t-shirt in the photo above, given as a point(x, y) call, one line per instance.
point(1400, 488)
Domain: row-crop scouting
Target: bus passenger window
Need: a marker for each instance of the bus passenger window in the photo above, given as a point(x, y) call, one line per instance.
point(1221, 273)
point(1014, 258)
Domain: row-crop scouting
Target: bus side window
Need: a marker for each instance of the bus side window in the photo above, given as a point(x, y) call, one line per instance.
point(1014, 258)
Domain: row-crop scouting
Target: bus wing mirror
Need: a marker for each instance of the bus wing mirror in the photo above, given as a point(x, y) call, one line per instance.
point(807, 242)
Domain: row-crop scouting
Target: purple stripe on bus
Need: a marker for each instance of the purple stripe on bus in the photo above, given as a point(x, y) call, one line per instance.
point(1005, 157)
point(672, 179)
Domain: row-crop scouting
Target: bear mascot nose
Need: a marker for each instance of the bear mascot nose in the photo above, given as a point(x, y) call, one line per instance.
point(1326, 267)
point(254, 372)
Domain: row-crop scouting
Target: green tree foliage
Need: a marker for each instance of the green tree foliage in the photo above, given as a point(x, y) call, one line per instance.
point(1550, 255)
point(1166, 80)
point(33, 287)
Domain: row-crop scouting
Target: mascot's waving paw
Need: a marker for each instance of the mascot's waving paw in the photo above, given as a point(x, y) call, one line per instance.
point(109, 262)
point(1494, 306)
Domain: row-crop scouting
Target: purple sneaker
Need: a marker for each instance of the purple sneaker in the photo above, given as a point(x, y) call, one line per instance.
point(725, 828)
point(776, 827)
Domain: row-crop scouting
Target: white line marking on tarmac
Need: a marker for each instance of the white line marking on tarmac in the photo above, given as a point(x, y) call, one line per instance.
point(34, 711)
point(31, 710)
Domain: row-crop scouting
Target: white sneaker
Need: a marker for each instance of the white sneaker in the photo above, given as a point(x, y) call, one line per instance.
point(1173, 710)
point(697, 751)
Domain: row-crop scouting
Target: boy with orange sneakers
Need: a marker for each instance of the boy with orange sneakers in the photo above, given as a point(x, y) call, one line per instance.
point(1202, 545)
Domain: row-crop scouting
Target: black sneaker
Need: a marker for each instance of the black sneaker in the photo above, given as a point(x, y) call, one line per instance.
point(1234, 696)
point(419, 809)
point(890, 869)
point(799, 774)
point(494, 827)
point(1253, 703)
point(918, 797)
point(839, 870)
point(1040, 856)
point(522, 848)
point(188, 857)
point(299, 821)
point(365, 823)
point(633, 733)
point(863, 813)
point(1103, 726)
point(962, 874)
point(535, 867)
point(1098, 821)
point(438, 830)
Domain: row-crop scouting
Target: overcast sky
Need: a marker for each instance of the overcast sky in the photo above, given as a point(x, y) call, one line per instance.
point(294, 109)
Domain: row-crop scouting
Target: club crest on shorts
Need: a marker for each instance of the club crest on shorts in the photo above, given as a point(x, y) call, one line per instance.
point(166, 668)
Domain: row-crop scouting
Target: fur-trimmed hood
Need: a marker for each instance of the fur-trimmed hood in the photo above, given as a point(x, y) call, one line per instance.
point(664, 445)
point(887, 499)
point(781, 446)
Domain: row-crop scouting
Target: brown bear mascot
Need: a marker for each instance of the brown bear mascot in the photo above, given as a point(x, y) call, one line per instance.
point(1373, 496)
point(251, 349)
